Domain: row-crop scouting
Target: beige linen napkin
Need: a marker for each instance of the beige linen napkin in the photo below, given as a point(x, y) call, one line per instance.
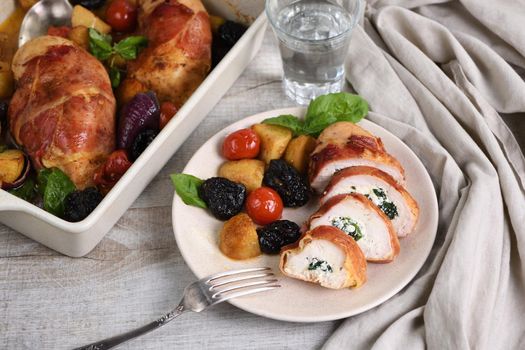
point(438, 75)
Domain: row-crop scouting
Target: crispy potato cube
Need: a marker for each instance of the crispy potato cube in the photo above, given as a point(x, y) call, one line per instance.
point(79, 35)
point(11, 165)
point(83, 17)
point(128, 89)
point(297, 153)
point(238, 238)
point(248, 172)
point(6, 80)
point(274, 140)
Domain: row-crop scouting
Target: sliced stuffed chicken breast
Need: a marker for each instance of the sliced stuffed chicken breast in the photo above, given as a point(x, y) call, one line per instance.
point(380, 188)
point(345, 144)
point(359, 218)
point(327, 256)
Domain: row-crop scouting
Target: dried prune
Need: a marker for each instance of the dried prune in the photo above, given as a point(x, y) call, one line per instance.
point(276, 235)
point(231, 32)
point(79, 204)
point(143, 140)
point(287, 181)
point(223, 197)
point(89, 4)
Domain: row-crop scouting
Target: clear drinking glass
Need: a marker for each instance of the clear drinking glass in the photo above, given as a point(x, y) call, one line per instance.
point(313, 39)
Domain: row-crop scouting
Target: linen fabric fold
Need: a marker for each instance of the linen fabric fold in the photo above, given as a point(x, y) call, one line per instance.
point(438, 74)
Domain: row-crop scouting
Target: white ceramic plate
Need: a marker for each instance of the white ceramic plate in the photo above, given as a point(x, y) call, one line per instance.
point(196, 232)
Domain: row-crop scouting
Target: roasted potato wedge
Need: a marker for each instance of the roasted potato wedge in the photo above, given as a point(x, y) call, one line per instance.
point(274, 140)
point(6, 80)
point(79, 35)
point(248, 172)
point(297, 153)
point(83, 17)
point(238, 238)
point(12, 164)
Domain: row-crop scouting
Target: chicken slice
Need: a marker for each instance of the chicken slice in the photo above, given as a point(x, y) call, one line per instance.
point(389, 196)
point(327, 256)
point(357, 216)
point(345, 144)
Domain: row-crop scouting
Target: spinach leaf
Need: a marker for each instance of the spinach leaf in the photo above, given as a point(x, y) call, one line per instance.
point(187, 187)
point(54, 186)
point(128, 48)
point(340, 106)
point(323, 111)
point(99, 44)
point(27, 191)
point(114, 76)
point(288, 121)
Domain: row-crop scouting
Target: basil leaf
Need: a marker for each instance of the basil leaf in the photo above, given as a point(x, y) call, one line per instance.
point(54, 186)
point(128, 48)
point(114, 76)
point(26, 191)
point(187, 187)
point(342, 106)
point(3, 148)
point(99, 44)
point(288, 121)
point(315, 125)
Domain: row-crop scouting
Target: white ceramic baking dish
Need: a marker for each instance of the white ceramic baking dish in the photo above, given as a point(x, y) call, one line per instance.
point(78, 239)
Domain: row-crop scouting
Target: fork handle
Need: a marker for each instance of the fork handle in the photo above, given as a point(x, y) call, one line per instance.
point(110, 343)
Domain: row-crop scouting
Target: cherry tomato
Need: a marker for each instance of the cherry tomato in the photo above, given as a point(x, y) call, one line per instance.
point(264, 205)
point(111, 171)
point(241, 144)
point(121, 15)
point(58, 31)
point(167, 111)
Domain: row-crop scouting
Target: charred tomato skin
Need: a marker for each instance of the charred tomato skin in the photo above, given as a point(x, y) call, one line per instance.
point(286, 180)
point(276, 235)
point(264, 205)
point(223, 197)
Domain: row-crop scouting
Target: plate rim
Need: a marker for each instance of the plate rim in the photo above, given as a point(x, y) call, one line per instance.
point(343, 314)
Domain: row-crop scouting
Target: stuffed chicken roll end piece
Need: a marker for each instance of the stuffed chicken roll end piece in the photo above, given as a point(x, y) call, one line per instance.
point(326, 256)
point(345, 144)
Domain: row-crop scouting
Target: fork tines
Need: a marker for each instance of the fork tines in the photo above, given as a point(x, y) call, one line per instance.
point(236, 283)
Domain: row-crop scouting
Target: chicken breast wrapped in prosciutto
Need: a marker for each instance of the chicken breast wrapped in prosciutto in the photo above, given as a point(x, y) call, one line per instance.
point(63, 109)
point(359, 218)
point(178, 55)
point(345, 144)
point(380, 188)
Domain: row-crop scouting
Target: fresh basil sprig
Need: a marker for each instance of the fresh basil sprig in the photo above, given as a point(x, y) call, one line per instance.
point(54, 186)
point(323, 111)
point(100, 46)
point(187, 187)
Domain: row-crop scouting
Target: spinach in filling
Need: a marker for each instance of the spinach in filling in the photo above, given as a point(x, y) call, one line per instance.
point(348, 226)
point(317, 264)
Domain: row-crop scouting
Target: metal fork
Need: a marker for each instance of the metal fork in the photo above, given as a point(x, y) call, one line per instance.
point(199, 296)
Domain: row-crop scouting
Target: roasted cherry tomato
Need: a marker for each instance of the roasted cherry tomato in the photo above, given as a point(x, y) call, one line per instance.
point(111, 171)
point(264, 205)
point(241, 144)
point(121, 15)
point(58, 31)
point(167, 111)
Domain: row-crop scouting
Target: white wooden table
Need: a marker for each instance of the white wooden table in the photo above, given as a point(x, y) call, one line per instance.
point(49, 301)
